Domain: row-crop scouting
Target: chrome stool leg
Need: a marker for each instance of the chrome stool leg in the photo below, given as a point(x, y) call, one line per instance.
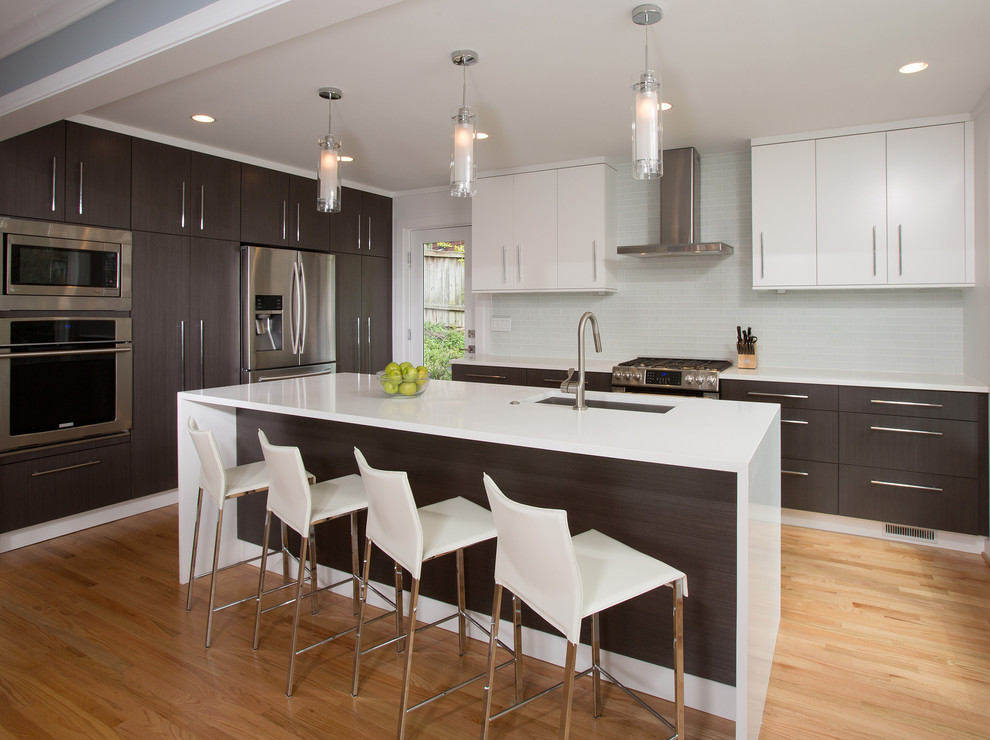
point(596, 670)
point(295, 617)
point(461, 620)
point(360, 624)
point(261, 577)
point(486, 707)
point(565, 710)
point(407, 671)
point(213, 579)
point(195, 547)
point(355, 563)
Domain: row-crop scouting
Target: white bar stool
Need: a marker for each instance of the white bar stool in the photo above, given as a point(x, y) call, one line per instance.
point(564, 579)
point(222, 484)
point(301, 505)
point(410, 537)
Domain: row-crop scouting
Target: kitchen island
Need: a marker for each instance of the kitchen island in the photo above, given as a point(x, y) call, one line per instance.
point(697, 486)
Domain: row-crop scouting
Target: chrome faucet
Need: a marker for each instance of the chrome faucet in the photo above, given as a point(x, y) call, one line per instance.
point(571, 386)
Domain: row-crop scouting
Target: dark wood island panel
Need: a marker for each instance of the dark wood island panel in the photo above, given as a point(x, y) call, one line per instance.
point(684, 516)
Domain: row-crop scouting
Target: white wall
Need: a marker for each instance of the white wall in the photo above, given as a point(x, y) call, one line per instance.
point(976, 305)
point(690, 306)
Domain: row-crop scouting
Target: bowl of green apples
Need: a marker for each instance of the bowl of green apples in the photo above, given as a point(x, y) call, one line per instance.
point(404, 380)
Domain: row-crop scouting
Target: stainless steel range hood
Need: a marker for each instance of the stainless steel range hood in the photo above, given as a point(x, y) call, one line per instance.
point(680, 193)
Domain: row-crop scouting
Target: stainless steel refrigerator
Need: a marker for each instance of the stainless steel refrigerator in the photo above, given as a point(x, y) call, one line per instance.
point(287, 319)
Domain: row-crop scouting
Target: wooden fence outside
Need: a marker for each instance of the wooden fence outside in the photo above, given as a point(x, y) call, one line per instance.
point(443, 288)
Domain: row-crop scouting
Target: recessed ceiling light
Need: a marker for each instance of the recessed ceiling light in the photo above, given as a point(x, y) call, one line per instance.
point(203, 118)
point(910, 69)
point(480, 135)
point(665, 106)
point(345, 158)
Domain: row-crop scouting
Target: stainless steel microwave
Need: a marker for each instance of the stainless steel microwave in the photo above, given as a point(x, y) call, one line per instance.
point(64, 267)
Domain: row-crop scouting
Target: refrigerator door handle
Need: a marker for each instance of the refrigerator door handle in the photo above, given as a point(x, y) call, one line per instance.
point(305, 309)
point(293, 308)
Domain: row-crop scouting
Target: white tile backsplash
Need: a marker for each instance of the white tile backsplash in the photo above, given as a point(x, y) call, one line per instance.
point(690, 306)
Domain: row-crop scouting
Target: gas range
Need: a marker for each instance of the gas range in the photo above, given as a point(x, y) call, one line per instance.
point(664, 374)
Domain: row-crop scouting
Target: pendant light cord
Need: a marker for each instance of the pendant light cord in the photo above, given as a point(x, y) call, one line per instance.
point(463, 85)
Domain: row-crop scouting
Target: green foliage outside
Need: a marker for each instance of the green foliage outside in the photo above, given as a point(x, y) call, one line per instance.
point(440, 344)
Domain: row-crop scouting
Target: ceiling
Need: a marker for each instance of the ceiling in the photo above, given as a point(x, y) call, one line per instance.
point(552, 82)
point(26, 21)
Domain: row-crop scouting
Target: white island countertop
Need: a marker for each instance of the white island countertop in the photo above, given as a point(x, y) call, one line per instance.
point(695, 432)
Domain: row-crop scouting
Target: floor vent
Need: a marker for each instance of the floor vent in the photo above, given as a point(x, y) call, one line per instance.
point(910, 534)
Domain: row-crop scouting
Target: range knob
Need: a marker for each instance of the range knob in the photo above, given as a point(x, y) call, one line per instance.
point(689, 379)
point(711, 380)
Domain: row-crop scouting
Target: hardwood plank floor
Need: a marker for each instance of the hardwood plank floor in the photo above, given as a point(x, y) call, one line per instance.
point(877, 639)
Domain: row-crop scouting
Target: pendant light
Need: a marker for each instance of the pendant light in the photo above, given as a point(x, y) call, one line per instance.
point(328, 200)
point(647, 132)
point(463, 172)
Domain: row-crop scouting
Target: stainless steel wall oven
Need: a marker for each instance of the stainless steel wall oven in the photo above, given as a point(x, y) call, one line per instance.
point(63, 267)
point(63, 379)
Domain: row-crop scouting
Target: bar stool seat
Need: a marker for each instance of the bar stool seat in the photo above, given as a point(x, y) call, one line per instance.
point(565, 579)
point(411, 536)
point(301, 505)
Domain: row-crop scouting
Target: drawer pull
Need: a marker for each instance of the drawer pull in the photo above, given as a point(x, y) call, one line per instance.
point(906, 485)
point(477, 375)
point(907, 403)
point(792, 472)
point(793, 421)
point(38, 473)
point(907, 431)
point(776, 395)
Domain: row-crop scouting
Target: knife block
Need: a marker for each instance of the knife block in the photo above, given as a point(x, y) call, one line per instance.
point(747, 360)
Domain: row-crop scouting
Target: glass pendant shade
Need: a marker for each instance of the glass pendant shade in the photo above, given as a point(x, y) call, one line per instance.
point(647, 134)
point(329, 175)
point(463, 171)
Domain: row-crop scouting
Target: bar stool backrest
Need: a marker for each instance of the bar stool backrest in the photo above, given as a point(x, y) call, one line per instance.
point(212, 475)
point(393, 521)
point(288, 490)
point(535, 560)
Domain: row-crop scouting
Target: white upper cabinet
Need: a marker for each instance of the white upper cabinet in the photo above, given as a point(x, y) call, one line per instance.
point(544, 230)
point(586, 228)
point(926, 206)
point(872, 209)
point(852, 210)
point(784, 215)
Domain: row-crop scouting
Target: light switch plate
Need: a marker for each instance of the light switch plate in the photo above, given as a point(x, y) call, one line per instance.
point(501, 323)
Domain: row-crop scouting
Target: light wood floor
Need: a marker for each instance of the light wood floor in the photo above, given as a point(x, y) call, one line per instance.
point(877, 640)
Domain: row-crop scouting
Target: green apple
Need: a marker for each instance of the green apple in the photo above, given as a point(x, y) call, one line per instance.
point(392, 366)
point(407, 388)
point(390, 387)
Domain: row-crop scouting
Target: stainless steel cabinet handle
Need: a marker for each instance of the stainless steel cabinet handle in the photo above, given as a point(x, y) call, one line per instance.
point(80, 188)
point(369, 233)
point(775, 395)
point(54, 170)
point(792, 472)
point(285, 216)
point(504, 276)
point(762, 274)
point(182, 355)
point(792, 421)
point(67, 467)
point(519, 263)
point(478, 375)
point(298, 213)
point(874, 251)
point(358, 320)
point(906, 485)
point(900, 250)
point(202, 205)
point(182, 208)
point(907, 431)
point(370, 360)
point(594, 260)
point(359, 231)
point(202, 359)
point(906, 403)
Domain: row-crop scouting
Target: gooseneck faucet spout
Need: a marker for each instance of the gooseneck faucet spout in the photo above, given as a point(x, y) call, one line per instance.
point(579, 404)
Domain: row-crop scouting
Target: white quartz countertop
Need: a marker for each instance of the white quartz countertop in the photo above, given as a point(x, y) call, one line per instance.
point(696, 432)
point(868, 378)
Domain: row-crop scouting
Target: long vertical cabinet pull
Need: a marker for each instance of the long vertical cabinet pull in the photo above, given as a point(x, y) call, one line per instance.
point(202, 205)
point(519, 264)
point(358, 320)
point(370, 361)
point(182, 209)
point(54, 172)
point(202, 359)
point(762, 262)
point(900, 250)
point(504, 275)
point(594, 260)
point(298, 213)
point(369, 233)
point(359, 231)
point(874, 251)
point(285, 215)
point(80, 188)
point(182, 355)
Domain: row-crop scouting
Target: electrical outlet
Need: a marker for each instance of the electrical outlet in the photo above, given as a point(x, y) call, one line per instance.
point(470, 333)
point(501, 323)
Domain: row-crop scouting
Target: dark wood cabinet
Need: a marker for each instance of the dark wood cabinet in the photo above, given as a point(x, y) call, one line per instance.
point(185, 322)
point(216, 197)
point(97, 177)
point(489, 374)
point(544, 378)
point(44, 485)
point(32, 174)
point(279, 209)
point(909, 457)
point(364, 313)
point(364, 224)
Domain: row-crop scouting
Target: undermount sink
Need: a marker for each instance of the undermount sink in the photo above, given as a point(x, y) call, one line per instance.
point(601, 403)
